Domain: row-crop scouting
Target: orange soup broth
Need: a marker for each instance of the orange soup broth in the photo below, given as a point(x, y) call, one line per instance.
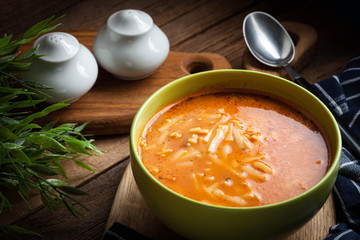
point(234, 148)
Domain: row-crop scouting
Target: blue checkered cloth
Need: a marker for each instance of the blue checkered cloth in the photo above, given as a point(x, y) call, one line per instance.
point(342, 91)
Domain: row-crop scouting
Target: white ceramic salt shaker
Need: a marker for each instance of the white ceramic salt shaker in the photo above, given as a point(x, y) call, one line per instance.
point(67, 67)
point(130, 45)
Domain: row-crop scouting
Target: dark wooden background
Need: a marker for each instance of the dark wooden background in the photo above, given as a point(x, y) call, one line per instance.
point(191, 26)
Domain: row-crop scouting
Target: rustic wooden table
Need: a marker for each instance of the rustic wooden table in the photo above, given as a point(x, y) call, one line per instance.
point(191, 26)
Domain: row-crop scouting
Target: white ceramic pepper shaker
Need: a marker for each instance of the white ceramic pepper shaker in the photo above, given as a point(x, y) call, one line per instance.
point(130, 46)
point(66, 66)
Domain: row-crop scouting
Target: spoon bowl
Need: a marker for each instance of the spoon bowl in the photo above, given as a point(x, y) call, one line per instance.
point(267, 40)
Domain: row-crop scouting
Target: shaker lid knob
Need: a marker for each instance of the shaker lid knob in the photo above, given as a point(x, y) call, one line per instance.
point(57, 46)
point(130, 22)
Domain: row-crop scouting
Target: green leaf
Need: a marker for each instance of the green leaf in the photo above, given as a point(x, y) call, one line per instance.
point(18, 66)
point(13, 228)
point(42, 170)
point(55, 182)
point(83, 165)
point(72, 210)
point(20, 141)
point(28, 54)
point(14, 90)
point(47, 201)
point(8, 58)
point(4, 203)
point(80, 128)
point(9, 182)
point(23, 193)
point(67, 126)
point(60, 169)
point(8, 120)
point(30, 126)
point(36, 85)
point(77, 145)
point(11, 146)
point(8, 97)
point(82, 146)
point(5, 132)
point(42, 26)
point(48, 126)
point(73, 191)
point(20, 156)
point(57, 153)
point(50, 200)
point(44, 112)
point(5, 40)
point(30, 34)
point(46, 142)
point(9, 48)
point(26, 103)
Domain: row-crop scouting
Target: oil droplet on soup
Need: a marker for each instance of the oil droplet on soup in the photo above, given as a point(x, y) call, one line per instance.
point(234, 148)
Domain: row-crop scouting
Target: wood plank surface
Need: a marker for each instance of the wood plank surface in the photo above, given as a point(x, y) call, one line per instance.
point(193, 26)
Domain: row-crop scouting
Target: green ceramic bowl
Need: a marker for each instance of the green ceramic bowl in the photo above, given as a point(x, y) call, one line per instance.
point(195, 220)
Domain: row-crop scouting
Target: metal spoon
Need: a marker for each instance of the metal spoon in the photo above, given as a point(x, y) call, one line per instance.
point(270, 43)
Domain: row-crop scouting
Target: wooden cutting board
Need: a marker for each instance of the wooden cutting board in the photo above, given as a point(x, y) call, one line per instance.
point(111, 104)
point(130, 209)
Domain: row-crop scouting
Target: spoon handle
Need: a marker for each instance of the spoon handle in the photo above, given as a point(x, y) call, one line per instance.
point(300, 80)
point(348, 138)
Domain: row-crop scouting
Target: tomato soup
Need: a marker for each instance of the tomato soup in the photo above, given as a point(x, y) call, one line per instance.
point(234, 148)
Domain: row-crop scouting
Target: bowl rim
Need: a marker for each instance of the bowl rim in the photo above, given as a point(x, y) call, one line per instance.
point(331, 170)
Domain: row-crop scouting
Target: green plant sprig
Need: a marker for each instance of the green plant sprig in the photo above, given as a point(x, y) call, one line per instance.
point(31, 155)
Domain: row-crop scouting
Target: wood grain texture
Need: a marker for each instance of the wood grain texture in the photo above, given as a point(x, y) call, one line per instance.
point(130, 209)
point(16, 16)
